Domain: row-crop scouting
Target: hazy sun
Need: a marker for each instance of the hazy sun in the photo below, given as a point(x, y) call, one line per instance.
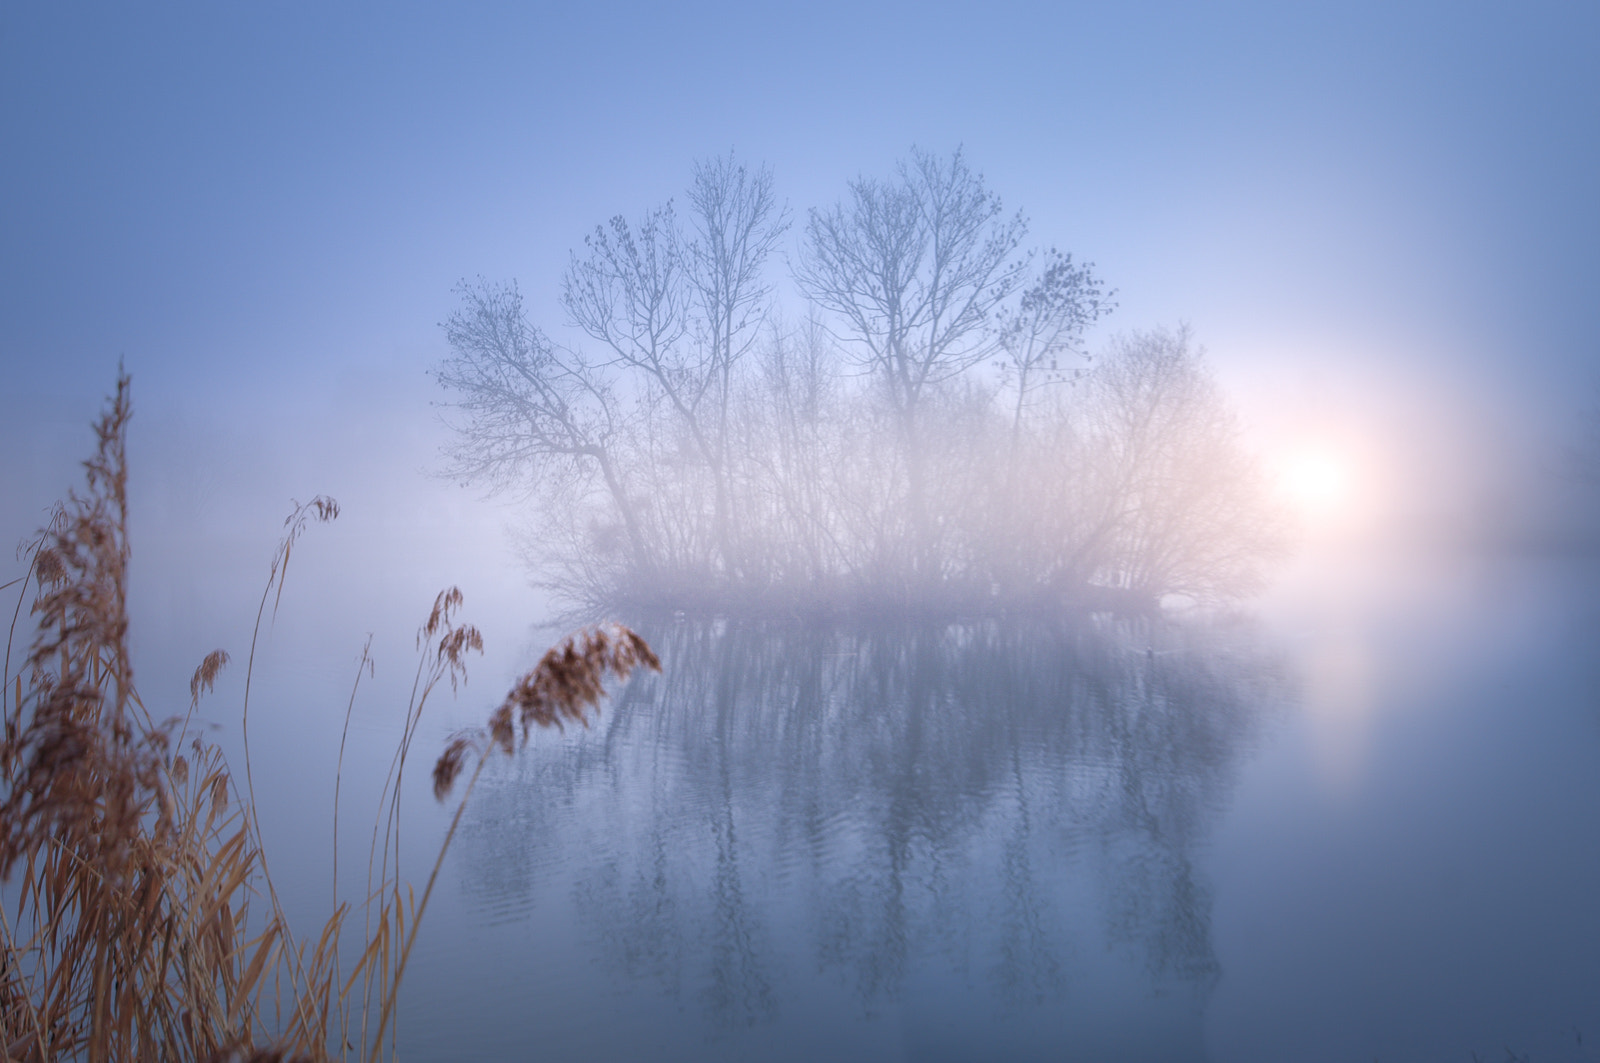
point(1318, 480)
point(1332, 486)
point(1327, 484)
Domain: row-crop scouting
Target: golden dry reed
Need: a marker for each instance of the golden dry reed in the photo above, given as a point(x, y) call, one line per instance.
point(138, 920)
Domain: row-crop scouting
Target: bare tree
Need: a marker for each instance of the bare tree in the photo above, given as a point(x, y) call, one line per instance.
point(737, 223)
point(913, 269)
point(1041, 336)
point(1046, 327)
point(533, 412)
point(682, 312)
point(630, 292)
point(790, 445)
point(1180, 505)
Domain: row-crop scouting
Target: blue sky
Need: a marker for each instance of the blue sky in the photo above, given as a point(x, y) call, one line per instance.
point(1365, 210)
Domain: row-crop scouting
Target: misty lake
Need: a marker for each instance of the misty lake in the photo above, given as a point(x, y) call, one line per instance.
point(710, 317)
point(1361, 823)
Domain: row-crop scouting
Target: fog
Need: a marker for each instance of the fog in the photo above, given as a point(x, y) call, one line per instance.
point(1382, 233)
point(1315, 391)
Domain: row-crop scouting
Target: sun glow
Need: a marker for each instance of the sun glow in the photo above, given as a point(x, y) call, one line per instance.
point(1318, 480)
point(1327, 485)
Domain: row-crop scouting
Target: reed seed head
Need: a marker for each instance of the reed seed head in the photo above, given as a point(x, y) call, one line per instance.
point(563, 687)
point(453, 642)
point(448, 766)
point(206, 675)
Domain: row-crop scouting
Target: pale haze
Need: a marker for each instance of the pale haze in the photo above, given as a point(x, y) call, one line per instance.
point(1384, 209)
point(1380, 221)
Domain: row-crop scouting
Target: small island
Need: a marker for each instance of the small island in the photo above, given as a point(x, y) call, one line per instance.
point(929, 433)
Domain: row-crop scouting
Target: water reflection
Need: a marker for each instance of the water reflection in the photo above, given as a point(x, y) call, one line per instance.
point(992, 818)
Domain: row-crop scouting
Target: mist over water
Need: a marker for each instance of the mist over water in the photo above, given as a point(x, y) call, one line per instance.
point(1209, 840)
point(1196, 661)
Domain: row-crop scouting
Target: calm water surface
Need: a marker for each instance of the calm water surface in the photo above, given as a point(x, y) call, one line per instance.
point(1365, 824)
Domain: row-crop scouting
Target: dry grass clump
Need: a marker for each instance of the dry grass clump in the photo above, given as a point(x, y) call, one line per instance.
point(145, 923)
point(131, 866)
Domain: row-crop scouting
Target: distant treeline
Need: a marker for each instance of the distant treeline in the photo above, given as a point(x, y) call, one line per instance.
point(933, 434)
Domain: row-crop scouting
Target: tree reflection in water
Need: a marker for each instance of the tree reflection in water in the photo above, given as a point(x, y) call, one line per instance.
point(995, 806)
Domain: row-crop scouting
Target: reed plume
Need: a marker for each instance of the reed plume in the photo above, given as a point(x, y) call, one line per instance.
point(563, 687)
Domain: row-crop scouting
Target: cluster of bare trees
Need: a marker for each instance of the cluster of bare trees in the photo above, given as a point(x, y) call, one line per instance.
point(912, 442)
